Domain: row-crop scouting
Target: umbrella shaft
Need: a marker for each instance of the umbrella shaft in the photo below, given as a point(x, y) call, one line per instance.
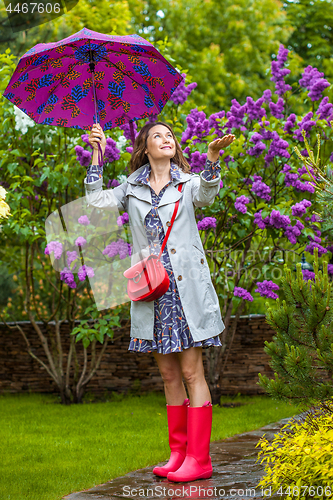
point(92, 71)
point(95, 99)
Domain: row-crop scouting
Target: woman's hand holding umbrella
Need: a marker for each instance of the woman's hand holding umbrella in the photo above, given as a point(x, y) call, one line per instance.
point(215, 146)
point(97, 136)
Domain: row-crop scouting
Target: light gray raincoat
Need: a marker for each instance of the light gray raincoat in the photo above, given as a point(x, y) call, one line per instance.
point(198, 296)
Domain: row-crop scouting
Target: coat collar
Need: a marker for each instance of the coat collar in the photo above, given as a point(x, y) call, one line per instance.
point(141, 175)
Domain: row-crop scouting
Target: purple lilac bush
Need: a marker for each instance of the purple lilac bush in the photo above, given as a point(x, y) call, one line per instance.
point(265, 190)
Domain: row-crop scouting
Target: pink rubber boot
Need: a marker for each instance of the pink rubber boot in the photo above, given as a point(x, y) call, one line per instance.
point(197, 463)
point(177, 425)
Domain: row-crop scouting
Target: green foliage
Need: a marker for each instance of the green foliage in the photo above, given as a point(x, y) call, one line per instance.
point(104, 16)
point(299, 461)
point(102, 325)
point(226, 45)
point(302, 349)
point(312, 36)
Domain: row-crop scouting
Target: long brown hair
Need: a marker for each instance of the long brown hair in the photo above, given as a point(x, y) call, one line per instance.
point(139, 157)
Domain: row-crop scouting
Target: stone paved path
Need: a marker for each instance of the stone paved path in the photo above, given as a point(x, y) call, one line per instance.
point(235, 475)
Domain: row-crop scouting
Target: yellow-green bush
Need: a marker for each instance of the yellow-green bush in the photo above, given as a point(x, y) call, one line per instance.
point(300, 457)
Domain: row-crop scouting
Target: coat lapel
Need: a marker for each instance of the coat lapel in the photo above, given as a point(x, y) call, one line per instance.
point(140, 191)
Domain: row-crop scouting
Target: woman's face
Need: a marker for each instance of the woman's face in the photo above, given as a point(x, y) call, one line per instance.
point(160, 143)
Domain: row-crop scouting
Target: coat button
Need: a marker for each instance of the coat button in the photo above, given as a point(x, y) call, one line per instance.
point(180, 278)
point(202, 261)
point(168, 223)
point(173, 250)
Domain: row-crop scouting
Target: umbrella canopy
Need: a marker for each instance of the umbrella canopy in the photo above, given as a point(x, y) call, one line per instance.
point(91, 78)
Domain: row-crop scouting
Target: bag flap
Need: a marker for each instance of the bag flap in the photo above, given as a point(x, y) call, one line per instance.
point(138, 268)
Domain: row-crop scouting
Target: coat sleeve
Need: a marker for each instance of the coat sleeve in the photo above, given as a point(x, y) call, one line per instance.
point(107, 198)
point(206, 186)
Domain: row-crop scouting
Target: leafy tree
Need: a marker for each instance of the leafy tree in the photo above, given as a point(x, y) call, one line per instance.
point(312, 36)
point(226, 45)
point(105, 16)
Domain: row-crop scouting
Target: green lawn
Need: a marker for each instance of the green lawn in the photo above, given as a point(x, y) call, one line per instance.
point(49, 450)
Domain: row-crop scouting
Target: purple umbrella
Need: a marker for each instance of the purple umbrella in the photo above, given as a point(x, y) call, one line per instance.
point(90, 78)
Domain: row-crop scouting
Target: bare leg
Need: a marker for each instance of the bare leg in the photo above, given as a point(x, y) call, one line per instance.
point(194, 375)
point(170, 369)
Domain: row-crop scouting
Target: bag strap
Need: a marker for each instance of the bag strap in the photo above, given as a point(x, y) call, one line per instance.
point(171, 223)
point(100, 155)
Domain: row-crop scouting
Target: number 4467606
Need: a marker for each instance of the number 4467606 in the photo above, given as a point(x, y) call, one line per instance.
point(34, 7)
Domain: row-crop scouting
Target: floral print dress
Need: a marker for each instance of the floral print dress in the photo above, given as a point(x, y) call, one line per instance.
point(171, 331)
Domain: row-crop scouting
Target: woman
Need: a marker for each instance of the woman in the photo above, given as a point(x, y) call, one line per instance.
point(187, 317)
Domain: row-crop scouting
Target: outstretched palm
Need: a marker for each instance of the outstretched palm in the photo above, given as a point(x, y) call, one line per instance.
point(215, 146)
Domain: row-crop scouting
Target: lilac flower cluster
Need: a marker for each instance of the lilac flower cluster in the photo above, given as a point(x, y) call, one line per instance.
point(197, 125)
point(55, 247)
point(85, 271)
point(84, 220)
point(278, 220)
point(212, 122)
point(265, 288)
point(279, 72)
point(267, 95)
point(196, 160)
point(242, 293)
point(71, 257)
point(113, 183)
point(278, 108)
point(206, 223)
point(83, 156)
point(260, 188)
point(126, 128)
point(258, 147)
point(111, 153)
point(180, 95)
point(325, 110)
point(228, 158)
point(312, 80)
point(295, 180)
point(235, 116)
point(267, 135)
point(275, 219)
point(299, 209)
point(292, 232)
point(85, 138)
point(315, 243)
point(67, 276)
point(261, 223)
point(152, 118)
point(314, 218)
point(240, 203)
point(305, 124)
point(308, 275)
point(122, 219)
point(118, 247)
point(290, 123)
point(254, 109)
point(80, 241)
point(278, 147)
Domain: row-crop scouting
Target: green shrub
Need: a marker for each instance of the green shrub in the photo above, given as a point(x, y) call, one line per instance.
point(300, 458)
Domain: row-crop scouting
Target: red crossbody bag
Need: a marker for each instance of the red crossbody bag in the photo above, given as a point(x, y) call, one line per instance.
point(148, 279)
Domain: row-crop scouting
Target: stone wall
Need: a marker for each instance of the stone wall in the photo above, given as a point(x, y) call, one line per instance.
point(121, 369)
